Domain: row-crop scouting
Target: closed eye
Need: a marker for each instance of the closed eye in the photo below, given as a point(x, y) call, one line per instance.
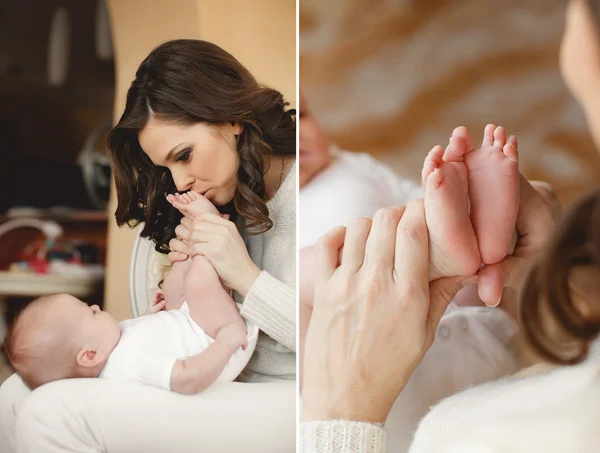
point(184, 156)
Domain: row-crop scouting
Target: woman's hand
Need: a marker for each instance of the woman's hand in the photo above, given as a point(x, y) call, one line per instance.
point(375, 315)
point(217, 239)
point(535, 222)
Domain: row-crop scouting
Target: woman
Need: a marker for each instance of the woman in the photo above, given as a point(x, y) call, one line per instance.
point(555, 412)
point(195, 119)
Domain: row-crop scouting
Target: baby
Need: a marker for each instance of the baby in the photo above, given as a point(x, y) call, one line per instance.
point(201, 338)
point(471, 203)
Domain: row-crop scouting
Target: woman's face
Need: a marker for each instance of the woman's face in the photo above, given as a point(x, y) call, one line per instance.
point(200, 157)
point(580, 60)
point(314, 147)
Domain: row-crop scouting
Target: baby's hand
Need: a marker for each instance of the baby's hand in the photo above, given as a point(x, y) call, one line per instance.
point(157, 302)
point(233, 337)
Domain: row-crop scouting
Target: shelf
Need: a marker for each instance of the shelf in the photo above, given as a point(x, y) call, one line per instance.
point(15, 284)
point(59, 215)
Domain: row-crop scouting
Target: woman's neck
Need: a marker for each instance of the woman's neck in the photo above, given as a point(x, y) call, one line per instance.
point(274, 176)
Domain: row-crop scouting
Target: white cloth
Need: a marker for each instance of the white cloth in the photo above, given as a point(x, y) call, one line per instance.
point(271, 301)
point(106, 416)
point(353, 185)
point(552, 412)
point(150, 345)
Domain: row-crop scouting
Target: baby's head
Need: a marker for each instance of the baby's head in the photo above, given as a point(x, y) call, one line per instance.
point(58, 337)
point(314, 146)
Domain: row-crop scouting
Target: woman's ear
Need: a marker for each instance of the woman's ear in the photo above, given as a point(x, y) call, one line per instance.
point(89, 358)
point(237, 129)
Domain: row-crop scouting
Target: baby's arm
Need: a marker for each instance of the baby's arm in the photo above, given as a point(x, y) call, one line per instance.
point(193, 375)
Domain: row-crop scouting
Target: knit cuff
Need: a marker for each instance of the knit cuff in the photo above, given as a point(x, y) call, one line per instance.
point(342, 436)
point(271, 305)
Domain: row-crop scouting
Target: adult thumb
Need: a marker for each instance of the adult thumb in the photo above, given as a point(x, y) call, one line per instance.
point(441, 293)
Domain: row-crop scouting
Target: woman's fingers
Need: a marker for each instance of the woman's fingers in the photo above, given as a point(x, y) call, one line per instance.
point(411, 260)
point(381, 245)
point(493, 278)
point(441, 293)
point(327, 255)
point(357, 233)
point(174, 257)
point(182, 233)
point(207, 236)
point(214, 218)
point(176, 245)
point(187, 223)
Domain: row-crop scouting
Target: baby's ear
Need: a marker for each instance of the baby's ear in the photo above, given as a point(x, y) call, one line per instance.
point(89, 358)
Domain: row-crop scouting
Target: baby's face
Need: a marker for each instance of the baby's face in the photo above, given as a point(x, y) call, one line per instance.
point(314, 147)
point(98, 329)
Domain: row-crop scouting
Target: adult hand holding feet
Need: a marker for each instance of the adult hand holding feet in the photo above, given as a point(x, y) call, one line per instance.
point(375, 315)
point(205, 232)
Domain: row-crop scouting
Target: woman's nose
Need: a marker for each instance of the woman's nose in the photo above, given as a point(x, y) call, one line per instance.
point(182, 181)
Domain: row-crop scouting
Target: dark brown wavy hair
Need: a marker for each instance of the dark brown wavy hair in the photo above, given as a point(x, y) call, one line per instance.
point(191, 81)
point(559, 317)
point(560, 320)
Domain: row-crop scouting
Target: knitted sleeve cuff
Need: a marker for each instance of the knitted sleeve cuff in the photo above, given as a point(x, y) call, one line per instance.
point(271, 305)
point(342, 436)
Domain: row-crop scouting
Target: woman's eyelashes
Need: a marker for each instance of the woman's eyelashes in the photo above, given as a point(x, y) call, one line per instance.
point(184, 155)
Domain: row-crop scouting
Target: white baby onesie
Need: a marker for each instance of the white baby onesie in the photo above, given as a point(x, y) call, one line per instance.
point(150, 345)
point(353, 185)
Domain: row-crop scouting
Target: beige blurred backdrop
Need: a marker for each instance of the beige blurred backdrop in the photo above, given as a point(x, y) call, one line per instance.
point(395, 78)
point(261, 34)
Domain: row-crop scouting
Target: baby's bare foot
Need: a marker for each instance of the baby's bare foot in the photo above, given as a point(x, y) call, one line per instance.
point(493, 174)
point(453, 245)
point(191, 204)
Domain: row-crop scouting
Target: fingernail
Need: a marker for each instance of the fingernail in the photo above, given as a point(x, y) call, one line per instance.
point(496, 304)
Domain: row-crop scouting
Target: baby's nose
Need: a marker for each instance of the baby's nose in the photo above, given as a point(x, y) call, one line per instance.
point(96, 308)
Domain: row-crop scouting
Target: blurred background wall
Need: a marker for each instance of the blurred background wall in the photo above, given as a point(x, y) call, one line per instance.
point(395, 78)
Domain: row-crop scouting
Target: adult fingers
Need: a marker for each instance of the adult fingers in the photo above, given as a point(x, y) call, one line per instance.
point(381, 243)
point(182, 233)
point(412, 245)
point(187, 223)
point(174, 257)
point(494, 277)
point(215, 218)
point(441, 293)
point(355, 241)
point(175, 245)
point(327, 255)
point(198, 237)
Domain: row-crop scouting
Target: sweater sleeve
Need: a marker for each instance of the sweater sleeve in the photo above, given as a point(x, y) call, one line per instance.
point(341, 436)
point(271, 305)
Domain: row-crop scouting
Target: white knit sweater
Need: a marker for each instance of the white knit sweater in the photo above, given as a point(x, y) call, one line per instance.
point(271, 302)
point(557, 412)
